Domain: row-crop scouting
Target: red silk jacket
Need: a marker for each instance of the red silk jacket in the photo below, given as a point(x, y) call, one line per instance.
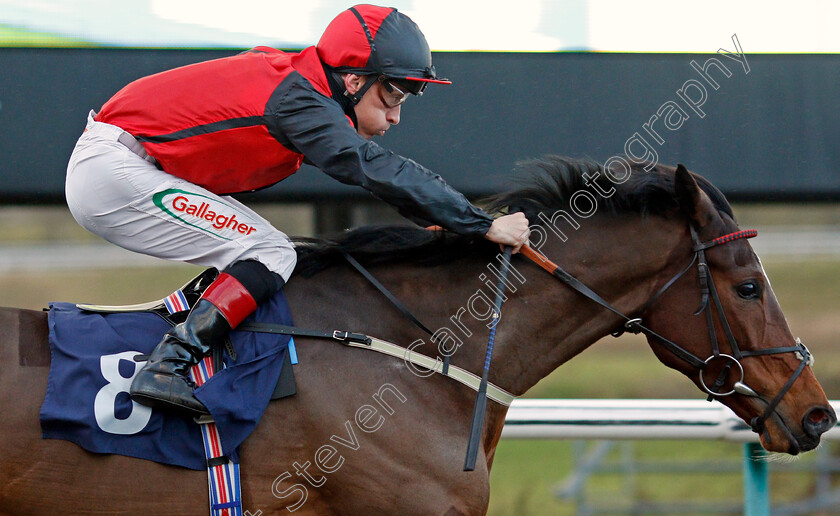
point(247, 121)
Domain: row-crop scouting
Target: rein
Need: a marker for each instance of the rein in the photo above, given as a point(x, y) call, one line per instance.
point(708, 292)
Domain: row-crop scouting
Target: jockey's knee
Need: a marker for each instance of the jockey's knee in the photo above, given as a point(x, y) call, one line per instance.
point(260, 281)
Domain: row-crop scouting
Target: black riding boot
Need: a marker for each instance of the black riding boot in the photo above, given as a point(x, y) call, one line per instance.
point(164, 381)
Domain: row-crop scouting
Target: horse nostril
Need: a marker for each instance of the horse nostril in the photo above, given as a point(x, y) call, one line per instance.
point(818, 420)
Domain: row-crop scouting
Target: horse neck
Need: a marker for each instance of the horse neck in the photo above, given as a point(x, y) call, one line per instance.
point(546, 323)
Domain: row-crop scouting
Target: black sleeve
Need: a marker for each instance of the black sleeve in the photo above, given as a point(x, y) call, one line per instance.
point(316, 127)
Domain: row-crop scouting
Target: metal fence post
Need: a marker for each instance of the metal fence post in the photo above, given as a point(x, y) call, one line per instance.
point(756, 481)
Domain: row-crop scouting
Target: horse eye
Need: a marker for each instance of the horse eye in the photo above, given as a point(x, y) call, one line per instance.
point(749, 290)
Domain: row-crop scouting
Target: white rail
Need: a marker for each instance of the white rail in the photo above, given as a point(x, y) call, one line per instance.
point(614, 419)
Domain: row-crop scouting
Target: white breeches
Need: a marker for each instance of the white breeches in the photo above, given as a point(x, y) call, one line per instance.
point(127, 200)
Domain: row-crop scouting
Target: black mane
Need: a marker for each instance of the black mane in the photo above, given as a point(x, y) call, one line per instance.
point(548, 183)
point(545, 185)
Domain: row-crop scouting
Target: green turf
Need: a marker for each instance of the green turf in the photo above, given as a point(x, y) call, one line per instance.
point(528, 475)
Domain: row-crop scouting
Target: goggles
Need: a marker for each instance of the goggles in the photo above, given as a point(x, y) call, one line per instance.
point(395, 95)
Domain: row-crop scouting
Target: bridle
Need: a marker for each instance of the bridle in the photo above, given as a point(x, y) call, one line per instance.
point(709, 292)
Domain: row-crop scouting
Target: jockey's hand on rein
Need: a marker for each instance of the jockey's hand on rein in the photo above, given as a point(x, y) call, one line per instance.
point(511, 230)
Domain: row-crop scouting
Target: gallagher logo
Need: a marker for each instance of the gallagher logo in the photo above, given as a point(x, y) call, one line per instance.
point(203, 212)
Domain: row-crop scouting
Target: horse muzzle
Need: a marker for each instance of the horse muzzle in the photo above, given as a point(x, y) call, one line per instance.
point(778, 436)
point(818, 421)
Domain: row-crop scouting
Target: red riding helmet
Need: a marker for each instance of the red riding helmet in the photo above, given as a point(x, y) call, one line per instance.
point(373, 40)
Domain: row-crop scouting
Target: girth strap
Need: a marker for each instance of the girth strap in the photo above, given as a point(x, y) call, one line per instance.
point(283, 329)
point(359, 340)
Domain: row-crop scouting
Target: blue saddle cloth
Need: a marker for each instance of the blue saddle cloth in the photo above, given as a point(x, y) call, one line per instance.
point(87, 400)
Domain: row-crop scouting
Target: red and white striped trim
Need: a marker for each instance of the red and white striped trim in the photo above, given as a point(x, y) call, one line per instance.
point(176, 302)
point(222, 478)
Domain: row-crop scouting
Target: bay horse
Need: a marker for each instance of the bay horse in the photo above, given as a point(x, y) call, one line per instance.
point(369, 434)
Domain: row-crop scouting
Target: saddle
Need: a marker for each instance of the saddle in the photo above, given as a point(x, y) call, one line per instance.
point(174, 309)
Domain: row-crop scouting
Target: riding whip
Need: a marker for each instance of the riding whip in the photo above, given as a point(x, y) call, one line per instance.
point(481, 397)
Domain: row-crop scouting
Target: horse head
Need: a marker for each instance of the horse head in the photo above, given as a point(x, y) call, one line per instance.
point(665, 257)
point(722, 310)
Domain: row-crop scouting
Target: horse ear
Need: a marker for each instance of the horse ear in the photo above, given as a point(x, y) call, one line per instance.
point(693, 201)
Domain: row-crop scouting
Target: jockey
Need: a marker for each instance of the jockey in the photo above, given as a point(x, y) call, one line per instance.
point(155, 166)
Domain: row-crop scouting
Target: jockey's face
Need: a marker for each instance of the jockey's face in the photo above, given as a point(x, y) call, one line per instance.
point(376, 112)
